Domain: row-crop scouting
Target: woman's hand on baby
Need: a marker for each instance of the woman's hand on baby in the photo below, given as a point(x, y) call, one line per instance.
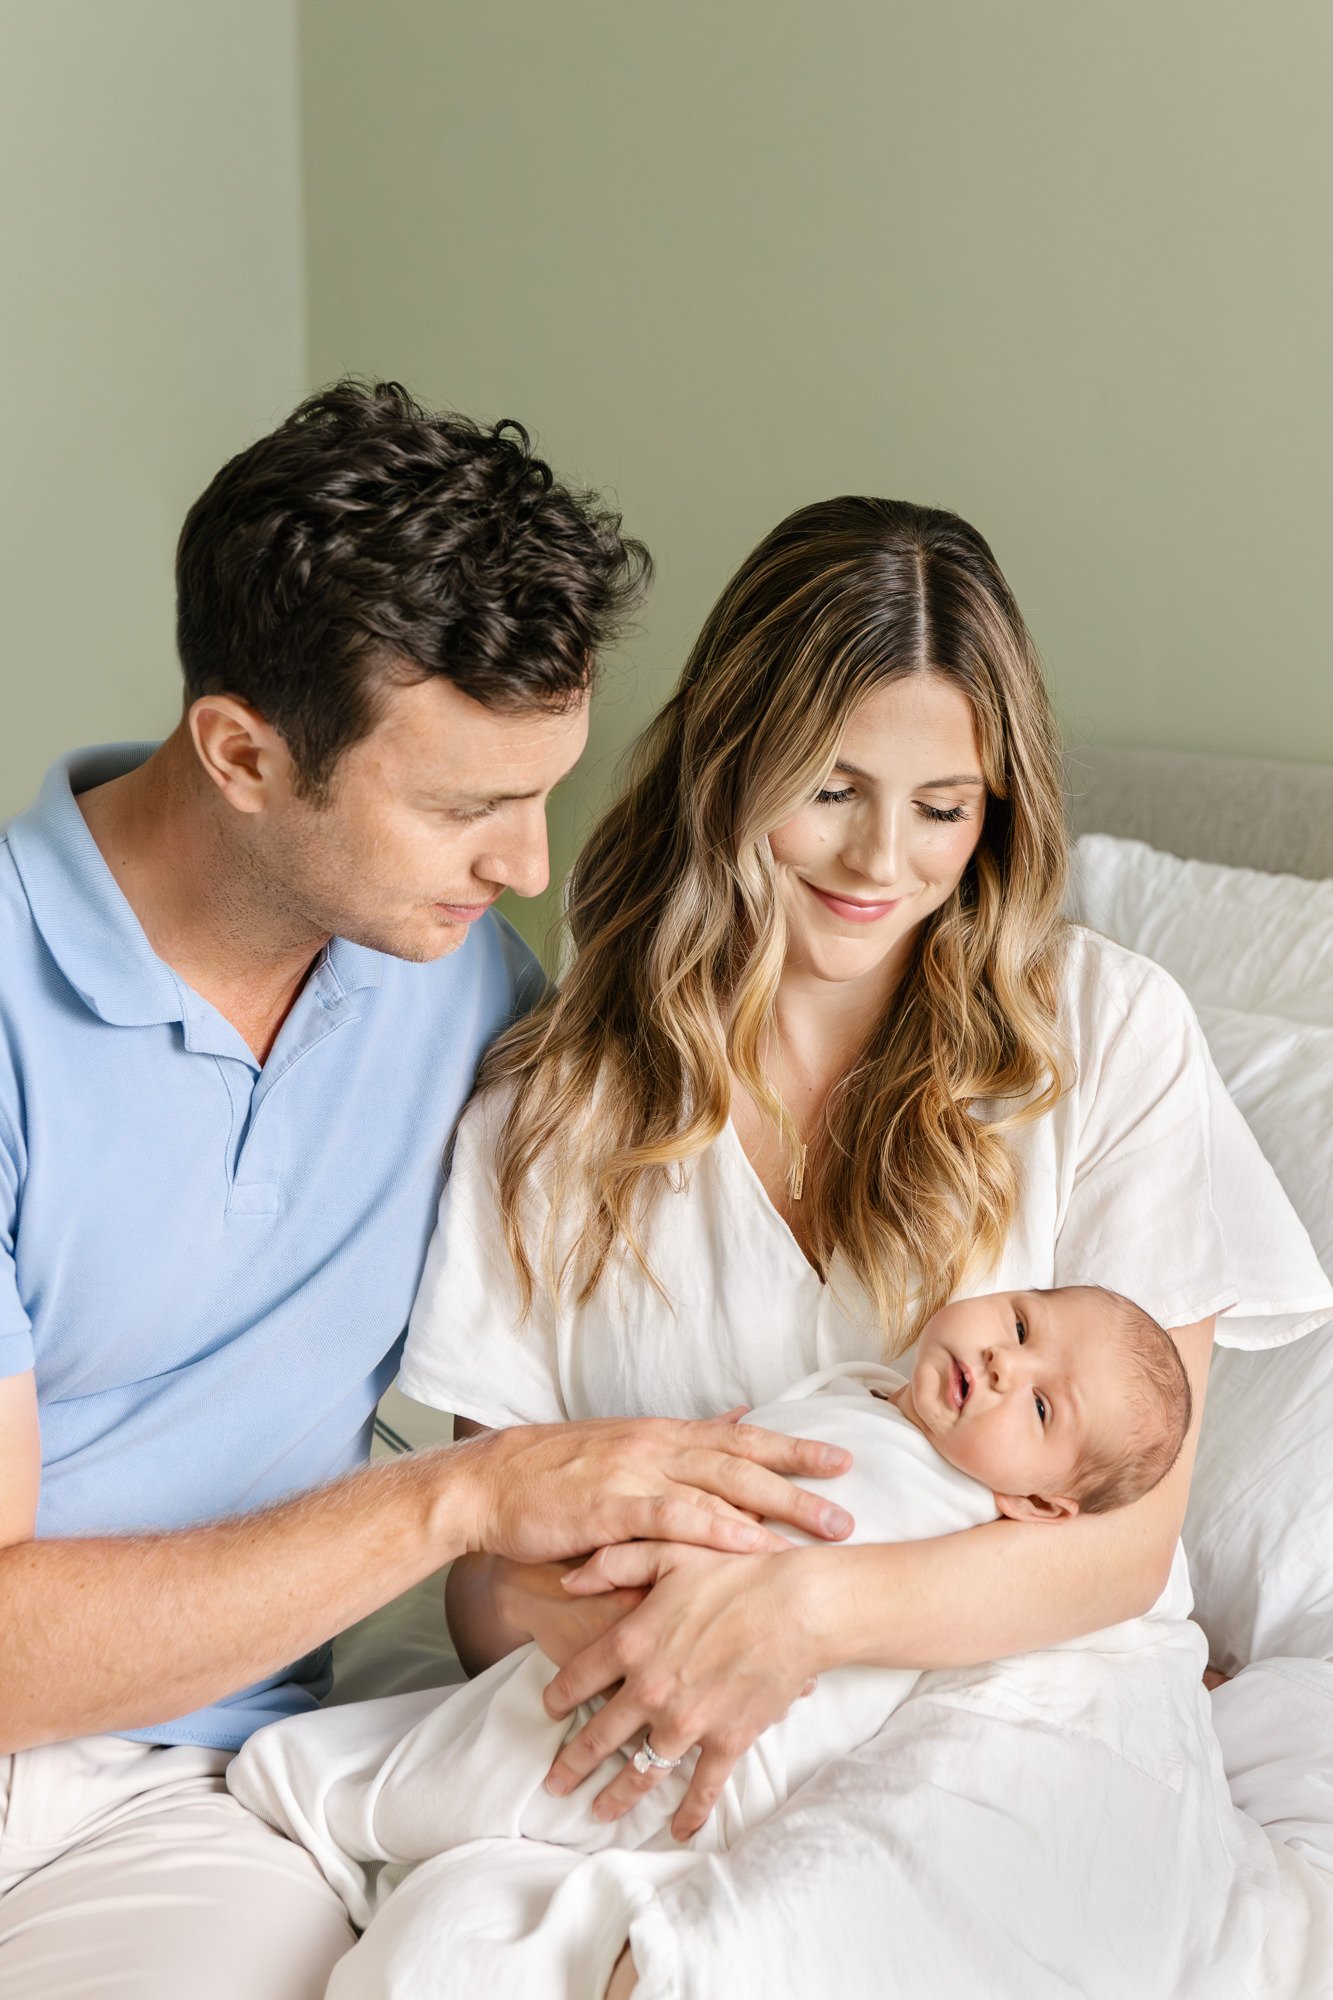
point(531, 1599)
point(716, 1654)
point(540, 1492)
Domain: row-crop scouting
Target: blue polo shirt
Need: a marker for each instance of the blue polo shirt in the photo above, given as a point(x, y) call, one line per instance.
point(209, 1264)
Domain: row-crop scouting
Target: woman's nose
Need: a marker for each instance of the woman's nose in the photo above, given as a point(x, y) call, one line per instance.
point(877, 852)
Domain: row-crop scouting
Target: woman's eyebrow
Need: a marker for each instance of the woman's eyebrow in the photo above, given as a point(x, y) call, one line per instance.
point(931, 784)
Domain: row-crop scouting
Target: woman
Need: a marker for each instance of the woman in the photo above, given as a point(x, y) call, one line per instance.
point(827, 1055)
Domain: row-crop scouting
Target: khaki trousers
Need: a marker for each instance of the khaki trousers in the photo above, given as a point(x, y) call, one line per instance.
point(128, 1871)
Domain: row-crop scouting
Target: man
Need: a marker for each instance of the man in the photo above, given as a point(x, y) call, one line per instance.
point(245, 981)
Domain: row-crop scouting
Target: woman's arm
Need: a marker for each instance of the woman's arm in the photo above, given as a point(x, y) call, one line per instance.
point(723, 1644)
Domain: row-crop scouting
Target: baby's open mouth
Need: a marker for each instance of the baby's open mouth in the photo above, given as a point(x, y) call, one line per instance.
point(960, 1383)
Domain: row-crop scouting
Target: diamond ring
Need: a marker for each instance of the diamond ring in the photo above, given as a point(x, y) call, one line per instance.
point(646, 1759)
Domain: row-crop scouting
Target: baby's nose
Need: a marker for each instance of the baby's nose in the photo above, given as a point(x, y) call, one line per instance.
point(999, 1366)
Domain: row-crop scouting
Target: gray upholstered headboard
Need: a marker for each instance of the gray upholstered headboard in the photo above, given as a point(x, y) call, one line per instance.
point(1243, 811)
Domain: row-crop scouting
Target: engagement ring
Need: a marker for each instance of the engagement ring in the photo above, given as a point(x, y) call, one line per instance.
point(646, 1759)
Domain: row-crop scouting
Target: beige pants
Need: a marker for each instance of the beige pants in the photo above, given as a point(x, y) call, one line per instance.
point(128, 1871)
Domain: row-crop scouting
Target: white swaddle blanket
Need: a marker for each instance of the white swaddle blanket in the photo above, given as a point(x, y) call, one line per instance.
point(447, 1789)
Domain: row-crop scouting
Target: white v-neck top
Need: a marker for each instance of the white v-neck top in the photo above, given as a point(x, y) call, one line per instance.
point(1144, 1178)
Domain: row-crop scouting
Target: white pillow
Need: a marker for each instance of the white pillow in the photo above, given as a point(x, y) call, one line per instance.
point(1259, 1532)
point(1233, 937)
point(1254, 953)
point(1280, 1073)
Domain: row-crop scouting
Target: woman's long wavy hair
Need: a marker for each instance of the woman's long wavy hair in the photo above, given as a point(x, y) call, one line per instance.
point(627, 1073)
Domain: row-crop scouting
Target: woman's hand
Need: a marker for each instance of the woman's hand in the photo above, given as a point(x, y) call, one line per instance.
point(532, 1601)
point(493, 1605)
point(539, 1492)
point(717, 1653)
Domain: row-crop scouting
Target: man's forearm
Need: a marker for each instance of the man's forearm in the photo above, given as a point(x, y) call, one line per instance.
point(119, 1632)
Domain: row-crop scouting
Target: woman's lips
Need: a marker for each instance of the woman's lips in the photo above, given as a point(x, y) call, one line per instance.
point(853, 912)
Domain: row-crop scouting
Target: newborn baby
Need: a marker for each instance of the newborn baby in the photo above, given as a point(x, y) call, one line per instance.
point(1036, 1405)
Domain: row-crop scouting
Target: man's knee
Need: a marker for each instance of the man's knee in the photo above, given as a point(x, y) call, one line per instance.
point(207, 1901)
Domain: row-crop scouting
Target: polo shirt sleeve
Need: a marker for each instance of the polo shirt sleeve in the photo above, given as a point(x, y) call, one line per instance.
point(470, 1347)
point(1171, 1201)
point(16, 1347)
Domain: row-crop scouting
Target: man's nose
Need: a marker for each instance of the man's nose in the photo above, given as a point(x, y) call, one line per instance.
point(522, 863)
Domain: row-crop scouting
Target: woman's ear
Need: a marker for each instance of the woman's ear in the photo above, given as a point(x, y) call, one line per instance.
point(1034, 1507)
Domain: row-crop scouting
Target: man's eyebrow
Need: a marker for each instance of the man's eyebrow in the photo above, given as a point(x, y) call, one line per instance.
point(484, 798)
point(931, 784)
point(490, 798)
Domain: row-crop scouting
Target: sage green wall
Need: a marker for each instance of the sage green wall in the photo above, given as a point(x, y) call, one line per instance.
point(153, 272)
point(1062, 267)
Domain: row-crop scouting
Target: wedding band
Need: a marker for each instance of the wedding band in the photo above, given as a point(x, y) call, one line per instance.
point(646, 1759)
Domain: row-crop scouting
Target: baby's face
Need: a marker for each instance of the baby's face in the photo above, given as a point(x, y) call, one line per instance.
point(1014, 1387)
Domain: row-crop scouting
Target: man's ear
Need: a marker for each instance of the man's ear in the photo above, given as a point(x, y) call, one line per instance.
point(244, 756)
point(1034, 1507)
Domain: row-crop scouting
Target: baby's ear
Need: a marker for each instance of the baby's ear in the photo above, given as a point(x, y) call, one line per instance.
point(1036, 1507)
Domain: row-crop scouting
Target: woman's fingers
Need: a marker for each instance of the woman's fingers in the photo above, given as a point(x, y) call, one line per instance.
point(630, 1785)
point(621, 1566)
point(612, 1728)
point(594, 1670)
point(714, 1767)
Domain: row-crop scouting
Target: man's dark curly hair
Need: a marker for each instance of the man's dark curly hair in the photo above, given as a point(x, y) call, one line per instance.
point(368, 540)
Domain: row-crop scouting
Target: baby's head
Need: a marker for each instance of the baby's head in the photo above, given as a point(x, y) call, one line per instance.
point(1062, 1402)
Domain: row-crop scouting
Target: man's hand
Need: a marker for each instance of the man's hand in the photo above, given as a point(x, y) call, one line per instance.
point(540, 1492)
point(717, 1653)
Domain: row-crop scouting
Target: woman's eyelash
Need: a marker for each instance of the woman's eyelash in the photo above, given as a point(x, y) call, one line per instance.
point(947, 815)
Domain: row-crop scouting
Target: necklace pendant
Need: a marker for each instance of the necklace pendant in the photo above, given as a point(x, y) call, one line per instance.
point(796, 1175)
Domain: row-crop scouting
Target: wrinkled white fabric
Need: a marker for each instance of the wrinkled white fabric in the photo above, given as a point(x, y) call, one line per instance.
point(428, 1816)
point(374, 1789)
point(1010, 1834)
point(1056, 1827)
point(1274, 1722)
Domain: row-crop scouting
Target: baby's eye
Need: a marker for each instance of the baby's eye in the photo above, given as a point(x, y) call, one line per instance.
point(1021, 1331)
point(1041, 1406)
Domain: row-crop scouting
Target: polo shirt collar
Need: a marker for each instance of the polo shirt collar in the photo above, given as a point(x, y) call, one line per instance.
point(88, 927)
point(85, 921)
